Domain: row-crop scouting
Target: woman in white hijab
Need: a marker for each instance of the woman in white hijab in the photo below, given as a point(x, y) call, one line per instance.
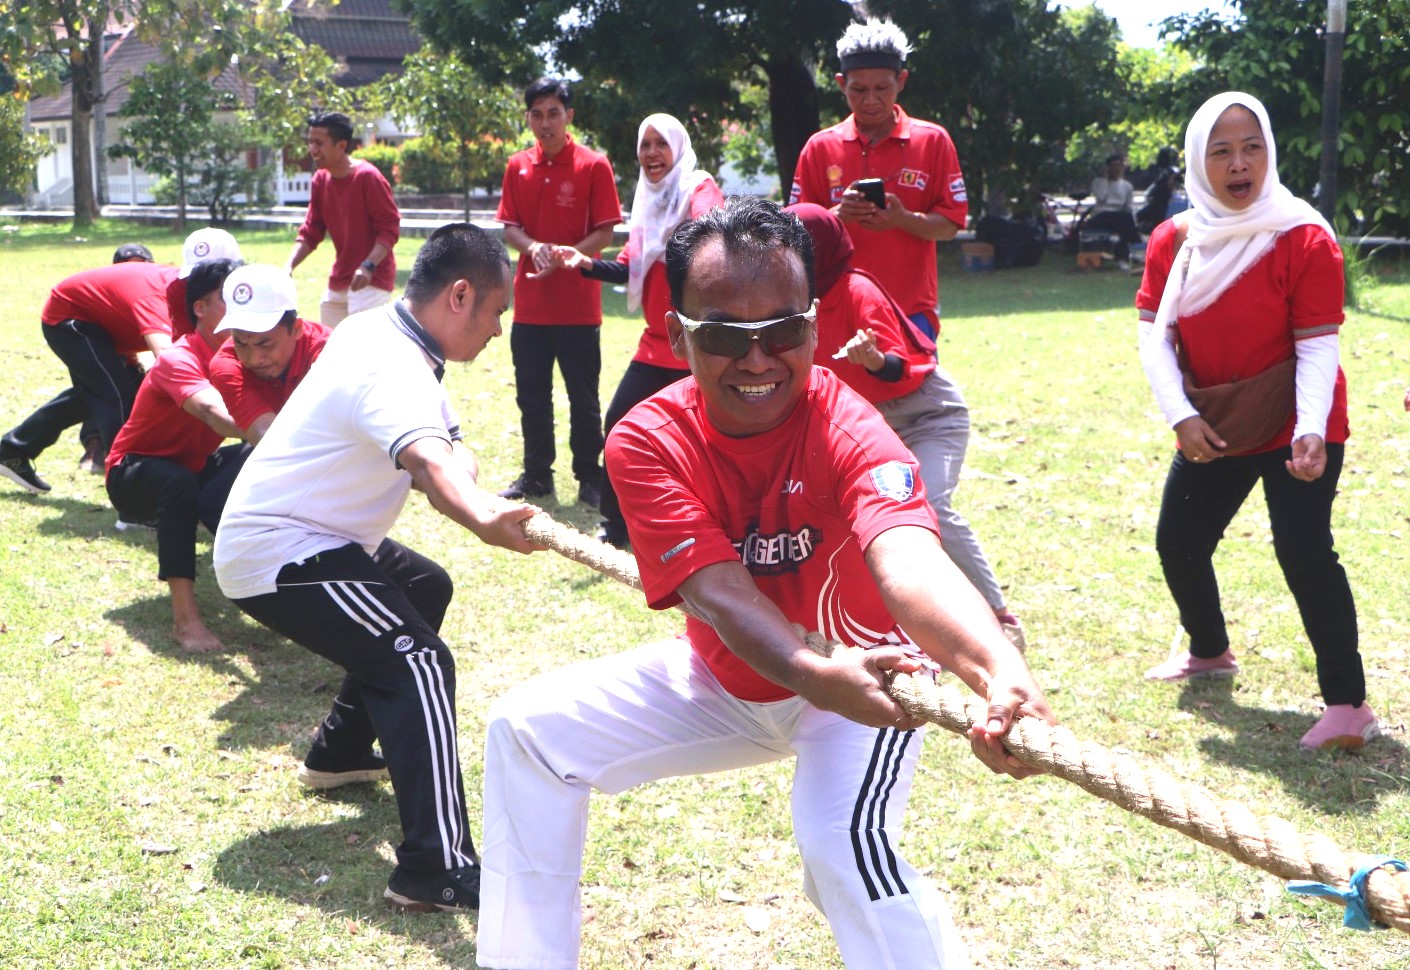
point(671, 190)
point(1240, 308)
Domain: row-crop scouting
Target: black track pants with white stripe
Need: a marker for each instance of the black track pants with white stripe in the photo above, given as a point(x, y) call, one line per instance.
point(377, 617)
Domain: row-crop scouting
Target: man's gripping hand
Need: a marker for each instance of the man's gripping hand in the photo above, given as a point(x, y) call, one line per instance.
point(1009, 698)
point(853, 681)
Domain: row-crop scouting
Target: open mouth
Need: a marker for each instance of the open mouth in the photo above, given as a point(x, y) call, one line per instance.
point(755, 392)
point(1240, 190)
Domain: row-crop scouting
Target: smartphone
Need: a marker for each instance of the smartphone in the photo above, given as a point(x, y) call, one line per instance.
point(873, 190)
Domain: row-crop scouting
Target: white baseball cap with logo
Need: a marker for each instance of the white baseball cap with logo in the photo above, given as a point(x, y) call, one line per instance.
point(207, 243)
point(256, 298)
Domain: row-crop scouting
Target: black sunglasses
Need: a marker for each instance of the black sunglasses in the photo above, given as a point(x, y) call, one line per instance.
point(732, 339)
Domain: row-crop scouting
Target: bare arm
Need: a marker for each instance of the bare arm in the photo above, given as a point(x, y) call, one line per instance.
point(259, 427)
point(949, 620)
point(298, 254)
point(851, 683)
point(157, 342)
point(451, 490)
point(594, 242)
point(209, 407)
point(854, 207)
point(362, 276)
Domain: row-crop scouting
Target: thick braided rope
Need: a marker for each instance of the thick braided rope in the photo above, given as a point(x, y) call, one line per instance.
point(1263, 841)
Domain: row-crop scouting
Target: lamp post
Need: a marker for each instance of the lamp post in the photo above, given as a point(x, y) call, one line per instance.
point(1331, 107)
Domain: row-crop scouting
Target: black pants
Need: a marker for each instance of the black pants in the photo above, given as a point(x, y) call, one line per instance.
point(104, 387)
point(578, 352)
point(1201, 499)
point(147, 489)
point(639, 382)
point(378, 618)
point(1121, 224)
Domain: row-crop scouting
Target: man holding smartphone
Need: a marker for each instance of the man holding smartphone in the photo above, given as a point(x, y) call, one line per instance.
point(921, 198)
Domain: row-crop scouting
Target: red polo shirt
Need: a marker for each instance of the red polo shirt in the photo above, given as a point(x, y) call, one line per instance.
point(558, 200)
point(128, 300)
point(158, 427)
point(917, 161)
point(247, 396)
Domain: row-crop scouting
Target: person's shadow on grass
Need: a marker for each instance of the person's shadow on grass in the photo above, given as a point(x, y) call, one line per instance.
point(1266, 742)
point(336, 867)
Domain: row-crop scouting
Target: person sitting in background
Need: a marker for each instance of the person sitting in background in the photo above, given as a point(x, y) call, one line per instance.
point(866, 339)
point(170, 448)
point(669, 191)
point(1111, 209)
point(1158, 198)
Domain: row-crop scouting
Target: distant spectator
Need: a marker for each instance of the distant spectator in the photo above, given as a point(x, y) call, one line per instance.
point(350, 201)
point(1111, 209)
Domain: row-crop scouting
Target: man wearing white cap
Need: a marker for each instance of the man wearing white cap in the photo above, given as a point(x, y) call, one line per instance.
point(270, 350)
point(203, 244)
point(170, 449)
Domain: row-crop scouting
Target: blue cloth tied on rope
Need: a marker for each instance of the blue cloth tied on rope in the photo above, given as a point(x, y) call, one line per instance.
point(1356, 918)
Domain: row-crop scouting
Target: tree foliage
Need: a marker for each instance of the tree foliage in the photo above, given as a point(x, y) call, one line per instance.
point(1275, 49)
point(476, 125)
point(20, 150)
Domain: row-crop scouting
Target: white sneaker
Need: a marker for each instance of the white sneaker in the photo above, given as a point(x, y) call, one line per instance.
point(1124, 265)
point(136, 526)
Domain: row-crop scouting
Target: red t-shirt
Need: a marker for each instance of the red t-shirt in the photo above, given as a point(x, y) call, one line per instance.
point(248, 397)
point(158, 427)
point(358, 211)
point(128, 300)
point(181, 323)
point(917, 161)
point(855, 303)
point(798, 505)
point(558, 200)
point(1294, 292)
point(655, 344)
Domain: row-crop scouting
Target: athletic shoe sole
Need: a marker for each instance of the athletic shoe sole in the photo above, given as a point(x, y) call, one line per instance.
point(405, 904)
point(324, 780)
point(15, 477)
point(134, 526)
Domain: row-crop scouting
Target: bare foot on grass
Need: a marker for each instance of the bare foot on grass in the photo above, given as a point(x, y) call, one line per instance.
point(195, 638)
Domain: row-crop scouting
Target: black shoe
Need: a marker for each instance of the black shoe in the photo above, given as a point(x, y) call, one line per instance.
point(20, 470)
point(589, 494)
point(433, 892)
point(322, 775)
point(525, 487)
point(614, 535)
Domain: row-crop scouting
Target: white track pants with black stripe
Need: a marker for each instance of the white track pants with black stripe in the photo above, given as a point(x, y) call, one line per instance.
point(657, 712)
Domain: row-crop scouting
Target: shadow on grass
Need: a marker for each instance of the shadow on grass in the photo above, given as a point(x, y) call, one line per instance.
point(334, 867)
point(1266, 742)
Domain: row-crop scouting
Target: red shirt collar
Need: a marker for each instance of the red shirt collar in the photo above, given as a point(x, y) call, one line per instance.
point(565, 153)
point(902, 131)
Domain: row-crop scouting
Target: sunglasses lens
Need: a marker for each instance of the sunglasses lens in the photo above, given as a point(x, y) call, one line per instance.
point(723, 340)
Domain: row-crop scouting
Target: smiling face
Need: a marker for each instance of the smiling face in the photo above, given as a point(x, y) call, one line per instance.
point(1236, 158)
point(549, 120)
point(325, 151)
point(871, 93)
point(757, 392)
point(266, 355)
point(654, 154)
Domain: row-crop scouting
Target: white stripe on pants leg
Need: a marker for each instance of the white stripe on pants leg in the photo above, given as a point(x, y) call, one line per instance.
point(445, 755)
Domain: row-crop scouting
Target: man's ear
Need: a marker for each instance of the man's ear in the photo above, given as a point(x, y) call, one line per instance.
point(462, 296)
point(676, 334)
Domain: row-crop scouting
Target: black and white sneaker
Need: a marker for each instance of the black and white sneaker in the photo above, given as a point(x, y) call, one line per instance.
point(20, 470)
point(322, 776)
point(433, 892)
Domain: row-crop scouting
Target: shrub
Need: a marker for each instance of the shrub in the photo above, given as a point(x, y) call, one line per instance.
point(429, 166)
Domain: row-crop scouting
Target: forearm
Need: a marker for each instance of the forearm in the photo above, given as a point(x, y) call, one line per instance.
point(928, 225)
point(594, 242)
point(1163, 372)
point(607, 271)
point(377, 254)
point(157, 342)
point(298, 254)
point(517, 238)
point(1317, 362)
point(208, 408)
point(259, 427)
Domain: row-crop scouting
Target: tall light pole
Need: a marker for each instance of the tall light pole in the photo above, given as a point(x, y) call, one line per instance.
point(1331, 107)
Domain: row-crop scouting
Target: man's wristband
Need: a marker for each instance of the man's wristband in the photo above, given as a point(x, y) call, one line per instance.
point(368, 265)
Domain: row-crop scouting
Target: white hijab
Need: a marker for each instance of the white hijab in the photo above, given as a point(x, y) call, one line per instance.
point(1222, 243)
point(657, 209)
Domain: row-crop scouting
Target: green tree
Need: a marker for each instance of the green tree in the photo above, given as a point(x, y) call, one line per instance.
point(475, 123)
point(1274, 50)
point(20, 150)
point(172, 126)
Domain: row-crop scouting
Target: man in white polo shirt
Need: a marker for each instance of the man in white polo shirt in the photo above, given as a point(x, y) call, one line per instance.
point(303, 548)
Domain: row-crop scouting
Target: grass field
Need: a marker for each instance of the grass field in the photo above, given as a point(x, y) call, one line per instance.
point(149, 815)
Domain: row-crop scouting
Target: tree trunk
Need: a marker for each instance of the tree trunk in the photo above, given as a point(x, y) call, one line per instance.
point(99, 94)
point(82, 59)
point(793, 105)
point(181, 195)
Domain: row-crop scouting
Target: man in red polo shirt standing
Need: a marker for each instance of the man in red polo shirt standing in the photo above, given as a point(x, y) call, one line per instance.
point(558, 192)
point(350, 201)
point(924, 193)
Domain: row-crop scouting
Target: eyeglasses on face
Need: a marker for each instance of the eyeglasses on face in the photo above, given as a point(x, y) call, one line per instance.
point(732, 338)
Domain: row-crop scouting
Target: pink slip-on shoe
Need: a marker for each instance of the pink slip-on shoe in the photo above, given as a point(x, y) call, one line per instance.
point(1013, 629)
point(1186, 666)
point(1342, 726)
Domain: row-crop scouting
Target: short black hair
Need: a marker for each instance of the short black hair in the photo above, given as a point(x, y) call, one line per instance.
point(457, 251)
point(338, 125)
point(749, 226)
point(206, 277)
point(548, 87)
point(132, 252)
point(1115, 158)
